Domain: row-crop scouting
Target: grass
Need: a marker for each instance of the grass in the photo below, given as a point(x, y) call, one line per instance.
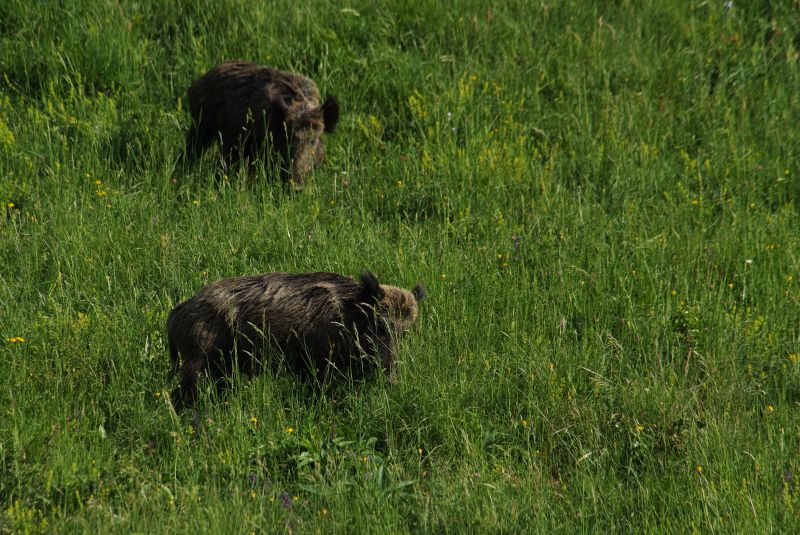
point(600, 197)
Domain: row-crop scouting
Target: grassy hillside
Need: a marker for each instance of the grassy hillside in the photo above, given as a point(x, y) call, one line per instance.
point(601, 198)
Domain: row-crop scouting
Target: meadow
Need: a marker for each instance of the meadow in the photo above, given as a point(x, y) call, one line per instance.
point(601, 198)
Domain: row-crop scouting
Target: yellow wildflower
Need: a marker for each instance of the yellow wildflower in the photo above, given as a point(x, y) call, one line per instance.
point(6, 135)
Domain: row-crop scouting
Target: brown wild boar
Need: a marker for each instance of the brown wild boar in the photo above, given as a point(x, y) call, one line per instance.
point(248, 106)
point(319, 325)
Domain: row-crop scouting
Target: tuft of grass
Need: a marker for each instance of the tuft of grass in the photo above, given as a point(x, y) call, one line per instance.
point(600, 199)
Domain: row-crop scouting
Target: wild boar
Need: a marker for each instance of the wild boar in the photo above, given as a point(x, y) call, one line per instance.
point(319, 325)
point(248, 107)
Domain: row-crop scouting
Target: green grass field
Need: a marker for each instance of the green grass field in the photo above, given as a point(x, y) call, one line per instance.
point(601, 198)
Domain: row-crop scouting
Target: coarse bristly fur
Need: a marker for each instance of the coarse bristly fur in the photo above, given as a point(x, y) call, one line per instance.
point(319, 325)
point(247, 106)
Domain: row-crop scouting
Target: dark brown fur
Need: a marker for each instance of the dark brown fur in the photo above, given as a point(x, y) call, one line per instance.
point(318, 324)
point(246, 105)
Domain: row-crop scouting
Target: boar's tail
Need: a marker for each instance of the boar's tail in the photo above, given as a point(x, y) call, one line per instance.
point(172, 344)
point(173, 359)
point(371, 291)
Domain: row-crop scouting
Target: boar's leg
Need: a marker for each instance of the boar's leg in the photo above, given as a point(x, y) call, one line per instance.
point(199, 137)
point(208, 354)
point(276, 131)
point(384, 347)
point(263, 135)
point(185, 393)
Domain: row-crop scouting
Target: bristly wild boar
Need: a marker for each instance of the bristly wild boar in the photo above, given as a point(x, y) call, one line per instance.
point(247, 106)
point(319, 325)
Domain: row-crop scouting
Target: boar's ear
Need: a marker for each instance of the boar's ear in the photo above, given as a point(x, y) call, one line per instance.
point(330, 114)
point(419, 292)
point(371, 291)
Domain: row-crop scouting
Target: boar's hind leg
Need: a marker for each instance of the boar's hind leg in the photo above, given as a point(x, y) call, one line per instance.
point(207, 355)
point(186, 392)
point(198, 139)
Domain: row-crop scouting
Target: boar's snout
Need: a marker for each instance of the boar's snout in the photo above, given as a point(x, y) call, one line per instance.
point(307, 149)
